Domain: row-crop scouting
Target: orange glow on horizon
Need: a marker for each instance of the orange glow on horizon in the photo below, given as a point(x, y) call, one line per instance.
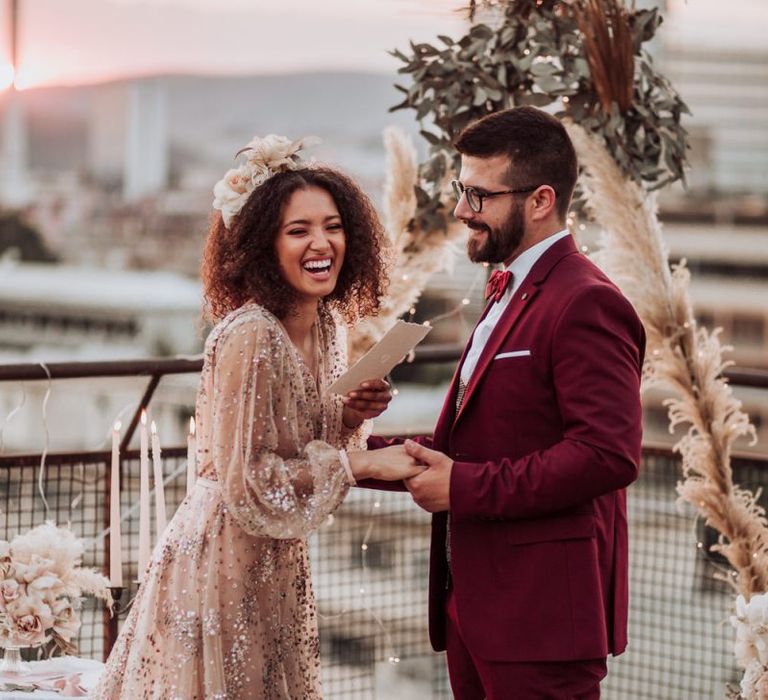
point(7, 75)
point(29, 75)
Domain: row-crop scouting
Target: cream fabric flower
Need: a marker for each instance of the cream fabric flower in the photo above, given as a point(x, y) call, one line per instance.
point(264, 157)
point(231, 192)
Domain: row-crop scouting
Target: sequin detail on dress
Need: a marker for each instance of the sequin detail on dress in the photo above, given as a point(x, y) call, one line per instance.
point(227, 610)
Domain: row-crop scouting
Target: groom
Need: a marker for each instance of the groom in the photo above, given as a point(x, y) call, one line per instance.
point(538, 437)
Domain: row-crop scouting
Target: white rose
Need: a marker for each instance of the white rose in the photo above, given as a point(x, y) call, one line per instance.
point(30, 618)
point(277, 152)
point(757, 610)
point(272, 151)
point(66, 621)
point(749, 681)
point(264, 158)
point(259, 173)
point(10, 590)
point(5, 559)
point(231, 192)
point(744, 650)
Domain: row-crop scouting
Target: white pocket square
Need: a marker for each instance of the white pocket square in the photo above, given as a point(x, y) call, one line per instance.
point(516, 353)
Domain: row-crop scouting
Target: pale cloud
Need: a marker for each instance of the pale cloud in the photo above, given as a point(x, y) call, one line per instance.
point(91, 40)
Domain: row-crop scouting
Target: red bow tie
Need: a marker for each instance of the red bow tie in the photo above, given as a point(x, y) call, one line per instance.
point(497, 284)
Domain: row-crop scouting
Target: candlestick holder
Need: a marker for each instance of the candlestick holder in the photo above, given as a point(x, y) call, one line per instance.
point(117, 594)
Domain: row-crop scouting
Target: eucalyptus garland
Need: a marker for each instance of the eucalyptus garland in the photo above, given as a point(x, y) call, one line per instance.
point(546, 53)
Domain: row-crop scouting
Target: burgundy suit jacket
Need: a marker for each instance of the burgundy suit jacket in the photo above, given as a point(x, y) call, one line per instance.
point(546, 441)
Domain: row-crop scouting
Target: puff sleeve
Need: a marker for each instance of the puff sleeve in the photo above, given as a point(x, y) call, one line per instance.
point(276, 480)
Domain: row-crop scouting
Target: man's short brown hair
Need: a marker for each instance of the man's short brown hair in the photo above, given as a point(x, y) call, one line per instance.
point(539, 149)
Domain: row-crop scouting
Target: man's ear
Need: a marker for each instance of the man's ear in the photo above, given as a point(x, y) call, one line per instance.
point(543, 203)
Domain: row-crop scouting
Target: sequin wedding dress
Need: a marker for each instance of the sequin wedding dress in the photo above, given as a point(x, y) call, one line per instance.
point(226, 610)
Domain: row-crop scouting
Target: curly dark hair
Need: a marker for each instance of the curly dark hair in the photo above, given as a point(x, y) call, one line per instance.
point(240, 263)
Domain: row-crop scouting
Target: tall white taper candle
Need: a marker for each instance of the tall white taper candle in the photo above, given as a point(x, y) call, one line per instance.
point(115, 547)
point(191, 455)
point(157, 462)
point(144, 548)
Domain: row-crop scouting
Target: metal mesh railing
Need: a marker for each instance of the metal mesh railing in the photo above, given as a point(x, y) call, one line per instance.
point(681, 647)
point(680, 644)
point(372, 600)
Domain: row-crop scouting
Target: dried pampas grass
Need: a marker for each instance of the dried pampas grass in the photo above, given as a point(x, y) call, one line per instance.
point(681, 355)
point(416, 254)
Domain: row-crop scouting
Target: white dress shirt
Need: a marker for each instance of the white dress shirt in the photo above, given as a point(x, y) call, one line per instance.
point(519, 267)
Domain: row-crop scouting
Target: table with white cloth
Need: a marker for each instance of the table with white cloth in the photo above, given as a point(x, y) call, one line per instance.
point(46, 674)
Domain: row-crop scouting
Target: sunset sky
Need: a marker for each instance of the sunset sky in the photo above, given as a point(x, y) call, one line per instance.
point(78, 41)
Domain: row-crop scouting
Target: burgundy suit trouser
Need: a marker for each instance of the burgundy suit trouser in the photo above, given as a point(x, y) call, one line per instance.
point(473, 678)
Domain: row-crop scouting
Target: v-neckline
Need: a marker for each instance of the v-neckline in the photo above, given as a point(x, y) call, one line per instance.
point(315, 377)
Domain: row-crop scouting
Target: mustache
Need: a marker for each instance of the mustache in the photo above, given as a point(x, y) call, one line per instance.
point(477, 226)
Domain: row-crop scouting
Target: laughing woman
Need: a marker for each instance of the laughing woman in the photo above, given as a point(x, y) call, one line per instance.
point(226, 610)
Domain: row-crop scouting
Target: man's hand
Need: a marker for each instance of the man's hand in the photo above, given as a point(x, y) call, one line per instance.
point(430, 489)
point(368, 400)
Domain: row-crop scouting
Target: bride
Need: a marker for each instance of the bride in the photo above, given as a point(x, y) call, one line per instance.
point(226, 610)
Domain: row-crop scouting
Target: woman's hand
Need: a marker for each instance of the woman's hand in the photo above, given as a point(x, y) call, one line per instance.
point(368, 400)
point(388, 464)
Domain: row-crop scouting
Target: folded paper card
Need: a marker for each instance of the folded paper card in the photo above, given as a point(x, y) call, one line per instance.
point(397, 342)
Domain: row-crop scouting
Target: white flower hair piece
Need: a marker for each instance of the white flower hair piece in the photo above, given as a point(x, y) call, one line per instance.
point(265, 157)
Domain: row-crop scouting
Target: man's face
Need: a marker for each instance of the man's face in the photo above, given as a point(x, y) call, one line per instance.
point(497, 232)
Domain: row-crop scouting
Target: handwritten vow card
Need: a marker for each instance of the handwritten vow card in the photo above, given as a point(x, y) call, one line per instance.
point(382, 357)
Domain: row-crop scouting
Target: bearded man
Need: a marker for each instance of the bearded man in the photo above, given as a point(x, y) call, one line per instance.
point(538, 438)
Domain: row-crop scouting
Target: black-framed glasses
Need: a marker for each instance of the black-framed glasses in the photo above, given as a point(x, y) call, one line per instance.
point(475, 198)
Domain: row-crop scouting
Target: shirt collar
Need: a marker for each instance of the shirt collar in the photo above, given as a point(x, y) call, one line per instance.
point(523, 263)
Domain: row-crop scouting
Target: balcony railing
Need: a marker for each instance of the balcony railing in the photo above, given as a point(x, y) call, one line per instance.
point(372, 602)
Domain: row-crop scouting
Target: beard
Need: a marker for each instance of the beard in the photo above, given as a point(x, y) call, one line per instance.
point(500, 243)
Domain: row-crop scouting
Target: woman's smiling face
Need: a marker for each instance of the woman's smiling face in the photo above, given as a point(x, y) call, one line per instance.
point(310, 243)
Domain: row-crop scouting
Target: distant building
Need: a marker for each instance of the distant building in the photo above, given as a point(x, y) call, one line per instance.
point(128, 137)
point(63, 311)
point(727, 92)
point(52, 313)
point(728, 260)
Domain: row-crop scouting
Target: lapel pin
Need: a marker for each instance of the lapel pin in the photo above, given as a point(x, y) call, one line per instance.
point(525, 296)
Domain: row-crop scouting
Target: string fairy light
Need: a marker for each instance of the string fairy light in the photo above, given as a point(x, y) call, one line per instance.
point(464, 302)
point(46, 439)
point(11, 415)
point(721, 572)
point(363, 589)
point(129, 513)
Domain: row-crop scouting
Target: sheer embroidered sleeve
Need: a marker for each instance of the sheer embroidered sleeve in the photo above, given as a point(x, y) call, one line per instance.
point(276, 480)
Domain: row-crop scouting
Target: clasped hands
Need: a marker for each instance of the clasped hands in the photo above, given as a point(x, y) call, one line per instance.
point(426, 473)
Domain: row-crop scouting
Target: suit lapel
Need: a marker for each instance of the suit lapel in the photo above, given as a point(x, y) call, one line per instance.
point(522, 299)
